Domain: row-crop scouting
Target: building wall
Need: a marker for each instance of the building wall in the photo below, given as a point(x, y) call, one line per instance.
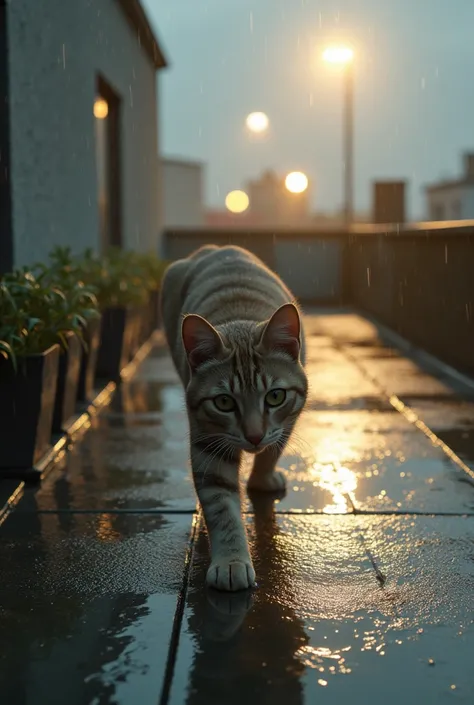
point(274, 205)
point(182, 193)
point(53, 69)
point(451, 203)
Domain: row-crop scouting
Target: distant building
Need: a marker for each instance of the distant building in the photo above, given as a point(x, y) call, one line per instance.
point(453, 199)
point(183, 193)
point(78, 128)
point(273, 205)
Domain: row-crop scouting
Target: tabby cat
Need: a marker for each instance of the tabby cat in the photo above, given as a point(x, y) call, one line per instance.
point(237, 343)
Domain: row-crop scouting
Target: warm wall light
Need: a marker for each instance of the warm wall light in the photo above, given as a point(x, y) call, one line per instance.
point(296, 182)
point(338, 54)
point(257, 122)
point(101, 109)
point(237, 201)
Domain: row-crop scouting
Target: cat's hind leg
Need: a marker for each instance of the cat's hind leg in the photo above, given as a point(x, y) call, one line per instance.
point(265, 477)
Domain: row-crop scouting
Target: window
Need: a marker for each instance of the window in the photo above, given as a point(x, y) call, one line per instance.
point(107, 132)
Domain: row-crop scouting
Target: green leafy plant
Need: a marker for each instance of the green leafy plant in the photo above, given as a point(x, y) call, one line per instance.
point(122, 277)
point(38, 308)
point(35, 313)
point(63, 271)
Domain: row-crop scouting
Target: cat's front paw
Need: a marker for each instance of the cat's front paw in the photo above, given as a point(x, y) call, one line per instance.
point(231, 574)
point(269, 482)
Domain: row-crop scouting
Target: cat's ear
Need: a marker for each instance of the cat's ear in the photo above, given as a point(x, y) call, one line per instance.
point(201, 340)
point(283, 331)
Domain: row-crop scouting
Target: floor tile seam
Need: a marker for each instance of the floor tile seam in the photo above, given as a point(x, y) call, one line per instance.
point(247, 513)
point(411, 416)
point(179, 613)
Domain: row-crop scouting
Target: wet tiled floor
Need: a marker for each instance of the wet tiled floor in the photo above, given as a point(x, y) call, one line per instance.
point(365, 567)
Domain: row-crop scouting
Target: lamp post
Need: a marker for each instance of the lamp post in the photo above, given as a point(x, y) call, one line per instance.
point(343, 56)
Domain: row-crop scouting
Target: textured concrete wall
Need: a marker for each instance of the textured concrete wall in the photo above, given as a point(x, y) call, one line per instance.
point(57, 48)
point(183, 205)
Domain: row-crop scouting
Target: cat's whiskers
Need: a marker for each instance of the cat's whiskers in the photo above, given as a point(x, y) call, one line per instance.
point(222, 445)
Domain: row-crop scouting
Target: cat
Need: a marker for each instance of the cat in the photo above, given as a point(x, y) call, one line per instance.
point(236, 339)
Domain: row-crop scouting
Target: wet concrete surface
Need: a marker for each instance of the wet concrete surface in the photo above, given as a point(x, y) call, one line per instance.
point(359, 596)
point(87, 606)
point(323, 628)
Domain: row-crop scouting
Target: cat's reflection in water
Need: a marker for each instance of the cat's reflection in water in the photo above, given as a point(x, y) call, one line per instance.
point(245, 642)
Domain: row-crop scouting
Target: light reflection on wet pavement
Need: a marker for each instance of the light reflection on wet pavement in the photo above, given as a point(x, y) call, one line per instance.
point(365, 567)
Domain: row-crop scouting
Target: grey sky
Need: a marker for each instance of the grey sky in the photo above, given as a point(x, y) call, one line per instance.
point(414, 97)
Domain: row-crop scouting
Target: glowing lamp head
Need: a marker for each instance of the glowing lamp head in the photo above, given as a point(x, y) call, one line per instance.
point(101, 109)
point(237, 202)
point(296, 182)
point(257, 122)
point(338, 54)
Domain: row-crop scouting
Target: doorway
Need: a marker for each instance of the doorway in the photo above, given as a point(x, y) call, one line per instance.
point(108, 164)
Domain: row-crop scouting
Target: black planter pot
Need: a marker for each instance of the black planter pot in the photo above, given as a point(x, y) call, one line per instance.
point(116, 342)
point(26, 409)
point(89, 356)
point(154, 311)
point(144, 333)
point(69, 369)
point(136, 326)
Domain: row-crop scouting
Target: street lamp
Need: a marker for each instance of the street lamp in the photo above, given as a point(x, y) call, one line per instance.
point(343, 57)
point(237, 202)
point(296, 182)
point(257, 122)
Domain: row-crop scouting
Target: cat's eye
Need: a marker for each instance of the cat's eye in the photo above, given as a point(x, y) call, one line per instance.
point(275, 397)
point(224, 402)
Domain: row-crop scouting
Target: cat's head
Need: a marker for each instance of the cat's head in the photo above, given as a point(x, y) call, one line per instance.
point(247, 385)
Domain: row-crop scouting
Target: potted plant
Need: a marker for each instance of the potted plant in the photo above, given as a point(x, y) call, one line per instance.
point(80, 331)
point(155, 269)
point(122, 290)
point(29, 359)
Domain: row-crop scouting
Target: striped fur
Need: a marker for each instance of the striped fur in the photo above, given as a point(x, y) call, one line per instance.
point(236, 340)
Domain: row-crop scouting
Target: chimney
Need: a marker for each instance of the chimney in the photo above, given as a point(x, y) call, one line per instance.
point(469, 166)
point(388, 202)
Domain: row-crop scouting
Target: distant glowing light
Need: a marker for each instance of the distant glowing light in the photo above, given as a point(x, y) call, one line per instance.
point(237, 201)
point(101, 109)
point(338, 54)
point(296, 182)
point(257, 122)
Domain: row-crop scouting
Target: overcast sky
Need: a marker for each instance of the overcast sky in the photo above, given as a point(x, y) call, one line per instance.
point(414, 89)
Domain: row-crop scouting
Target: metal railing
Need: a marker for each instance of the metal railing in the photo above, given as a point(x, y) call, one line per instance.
point(417, 279)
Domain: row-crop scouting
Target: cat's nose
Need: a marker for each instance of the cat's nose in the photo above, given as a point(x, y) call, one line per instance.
point(254, 438)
